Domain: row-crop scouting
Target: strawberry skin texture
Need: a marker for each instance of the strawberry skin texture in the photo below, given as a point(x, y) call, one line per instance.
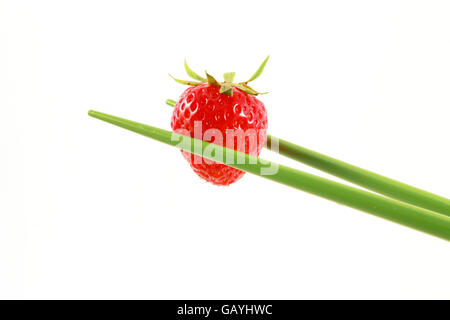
point(218, 111)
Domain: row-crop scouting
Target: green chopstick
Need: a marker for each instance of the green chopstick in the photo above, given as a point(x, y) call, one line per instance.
point(364, 178)
point(406, 214)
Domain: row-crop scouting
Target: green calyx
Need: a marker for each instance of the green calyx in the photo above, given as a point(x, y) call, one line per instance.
point(226, 87)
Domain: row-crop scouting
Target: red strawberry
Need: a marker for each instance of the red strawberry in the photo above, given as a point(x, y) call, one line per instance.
point(212, 109)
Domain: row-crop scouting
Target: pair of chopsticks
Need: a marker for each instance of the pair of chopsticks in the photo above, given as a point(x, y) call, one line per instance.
point(404, 204)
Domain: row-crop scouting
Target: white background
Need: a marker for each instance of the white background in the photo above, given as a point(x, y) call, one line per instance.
point(88, 210)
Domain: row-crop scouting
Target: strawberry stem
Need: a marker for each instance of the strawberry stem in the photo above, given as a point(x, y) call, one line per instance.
point(229, 76)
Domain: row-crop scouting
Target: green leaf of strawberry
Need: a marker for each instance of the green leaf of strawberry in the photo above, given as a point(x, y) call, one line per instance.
point(211, 80)
point(187, 82)
point(259, 71)
point(192, 74)
point(226, 87)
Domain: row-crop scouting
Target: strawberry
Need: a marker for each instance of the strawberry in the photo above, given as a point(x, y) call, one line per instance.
point(224, 113)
